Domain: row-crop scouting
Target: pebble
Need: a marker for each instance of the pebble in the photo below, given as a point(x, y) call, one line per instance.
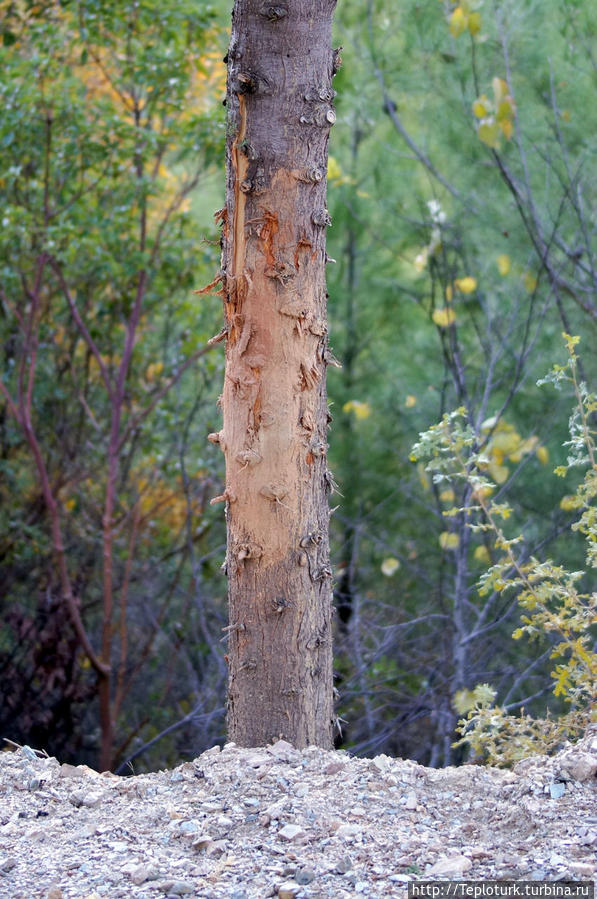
point(291, 832)
point(454, 866)
point(411, 802)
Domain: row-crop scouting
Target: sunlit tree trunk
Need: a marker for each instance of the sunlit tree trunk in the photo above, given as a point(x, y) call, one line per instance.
point(274, 436)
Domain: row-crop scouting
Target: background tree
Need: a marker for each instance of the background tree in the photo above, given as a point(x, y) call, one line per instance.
point(103, 111)
point(280, 110)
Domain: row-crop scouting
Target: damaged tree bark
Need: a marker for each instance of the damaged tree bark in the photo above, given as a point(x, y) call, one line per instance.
point(274, 436)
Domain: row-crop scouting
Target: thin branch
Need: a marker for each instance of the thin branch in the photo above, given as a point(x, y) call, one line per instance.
point(82, 327)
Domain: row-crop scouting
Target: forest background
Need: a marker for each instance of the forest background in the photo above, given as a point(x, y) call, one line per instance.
point(462, 192)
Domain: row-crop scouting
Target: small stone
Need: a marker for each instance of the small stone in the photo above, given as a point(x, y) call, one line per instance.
point(411, 802)
point(582, 766)
point(304, 876)
point(343, 865)
point(557, 790)
point(539, 874)
point(202, 842)
point(7, 864)
point(143, 873)
point(174, 887)
point(382, 763)
point(291, 832)
point(29, 753)
point(282, 750)
point(181, 888)
point(217, 848)
point(288, 889)
point(334, 768)
point(583, 869)
point(445, 867)
point(348, 831)
point(255, 761)
point(54, 893)
point(73, 771)
point(82, 798)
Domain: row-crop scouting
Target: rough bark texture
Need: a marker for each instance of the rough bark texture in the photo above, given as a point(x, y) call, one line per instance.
point(280, 111)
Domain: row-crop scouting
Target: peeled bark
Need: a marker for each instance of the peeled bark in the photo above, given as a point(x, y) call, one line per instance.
point(274, 436)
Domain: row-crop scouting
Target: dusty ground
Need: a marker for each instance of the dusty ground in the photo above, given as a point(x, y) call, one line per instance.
point(244, 823)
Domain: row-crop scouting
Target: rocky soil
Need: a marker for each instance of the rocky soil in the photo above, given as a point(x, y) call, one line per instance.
point(244, 823)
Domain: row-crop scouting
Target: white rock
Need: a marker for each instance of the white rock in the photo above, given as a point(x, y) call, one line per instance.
point(456, 864)
point(283, 751)
point(382, 763)
point(202, 842)
point(288, 889)
point(582, 766)
point(348, 831)
point(291, 832)
point(411, 802)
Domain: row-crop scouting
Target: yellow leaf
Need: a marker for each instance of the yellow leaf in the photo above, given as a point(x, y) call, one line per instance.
point(489, 134)
point(543, 455)
point(474, 22)
point(466, 285)
point(69, 505)
point(483, 493)
point(500, 89)
point(410, 401)
point(503, 264)
point(458, 21)
point(481, 107)
point(449, 293)
point(444, 317)
point(498, 473)
point(447, 496)
point(448, 540)
point(361, 410)
point(569, 503)
point(527, 446)
point(481, 554)
point(505, 442)
point(489, 424)
point(530, 282)
point(505, 110)
point(334, 170)
point(507, 128)
point(565, 115)
point(153, 371)
point(463, 701)
point(423, 476)
point(390, 567)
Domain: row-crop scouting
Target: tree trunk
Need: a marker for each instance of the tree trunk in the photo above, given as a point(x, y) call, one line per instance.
point(280, 110)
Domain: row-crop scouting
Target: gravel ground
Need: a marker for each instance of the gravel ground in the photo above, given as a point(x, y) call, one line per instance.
point(275, 821)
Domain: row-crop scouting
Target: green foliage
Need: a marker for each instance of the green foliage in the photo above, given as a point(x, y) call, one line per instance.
point(111, 124)
point(554, 608)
